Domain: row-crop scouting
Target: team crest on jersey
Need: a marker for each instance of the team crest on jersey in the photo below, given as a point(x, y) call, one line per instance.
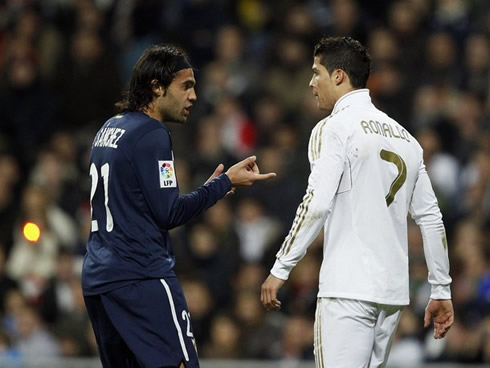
point(167, 174)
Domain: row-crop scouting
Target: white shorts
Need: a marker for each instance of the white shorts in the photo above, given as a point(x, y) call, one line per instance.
point(353, 334)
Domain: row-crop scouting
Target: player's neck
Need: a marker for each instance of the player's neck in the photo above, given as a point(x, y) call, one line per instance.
point(152, 112)
point(343, 90)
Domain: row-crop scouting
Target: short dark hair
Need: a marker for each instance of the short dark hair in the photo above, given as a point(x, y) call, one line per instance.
point(158, 62)
point(347, 54)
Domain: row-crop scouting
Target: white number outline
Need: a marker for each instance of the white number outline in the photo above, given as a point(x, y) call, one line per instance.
point(104, 171)
point(186, 316)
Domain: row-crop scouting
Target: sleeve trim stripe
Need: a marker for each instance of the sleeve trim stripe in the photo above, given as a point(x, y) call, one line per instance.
point(298, 222)
point(295, 224)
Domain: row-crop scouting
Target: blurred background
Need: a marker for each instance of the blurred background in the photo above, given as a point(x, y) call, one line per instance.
point(63, 65)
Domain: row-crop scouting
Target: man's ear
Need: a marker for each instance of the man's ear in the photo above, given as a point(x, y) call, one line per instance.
point(339, 76)
point(157, 88)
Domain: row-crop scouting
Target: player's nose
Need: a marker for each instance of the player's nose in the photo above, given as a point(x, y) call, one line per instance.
point(192, 95)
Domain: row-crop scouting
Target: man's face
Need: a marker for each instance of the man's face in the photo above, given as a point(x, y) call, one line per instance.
point(175, 104)
point(322, 86)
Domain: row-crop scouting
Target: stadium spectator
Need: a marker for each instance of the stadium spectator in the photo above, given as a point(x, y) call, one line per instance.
point(33, 341)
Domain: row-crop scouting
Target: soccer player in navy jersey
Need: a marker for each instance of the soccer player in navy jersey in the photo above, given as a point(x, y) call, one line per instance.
point(135, 303)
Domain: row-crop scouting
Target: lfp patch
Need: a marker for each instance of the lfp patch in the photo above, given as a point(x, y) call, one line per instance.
point(167, 174)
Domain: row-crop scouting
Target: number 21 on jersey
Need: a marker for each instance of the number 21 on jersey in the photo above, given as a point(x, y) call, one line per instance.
point(104, 171)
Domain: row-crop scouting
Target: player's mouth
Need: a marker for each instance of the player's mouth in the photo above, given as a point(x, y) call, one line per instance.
point(187, 110)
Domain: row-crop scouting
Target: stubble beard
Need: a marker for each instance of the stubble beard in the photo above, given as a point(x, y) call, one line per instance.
point(174, 117)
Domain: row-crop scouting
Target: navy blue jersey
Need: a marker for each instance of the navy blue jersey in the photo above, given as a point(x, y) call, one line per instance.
point(135, 201)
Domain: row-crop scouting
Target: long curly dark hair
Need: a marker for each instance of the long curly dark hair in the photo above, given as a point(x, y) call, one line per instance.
point(158, 63)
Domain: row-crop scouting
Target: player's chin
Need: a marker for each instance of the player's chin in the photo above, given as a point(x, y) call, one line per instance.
point(184, 116)
point(181, 119)
point(323, 107)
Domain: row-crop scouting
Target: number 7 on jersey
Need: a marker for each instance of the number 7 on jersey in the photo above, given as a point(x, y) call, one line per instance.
point(402, 173)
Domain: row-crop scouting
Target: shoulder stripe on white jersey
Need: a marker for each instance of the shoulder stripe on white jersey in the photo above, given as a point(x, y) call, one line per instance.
point(320, 135)
point(316, 139)
point(176, 322)
point(312, 143)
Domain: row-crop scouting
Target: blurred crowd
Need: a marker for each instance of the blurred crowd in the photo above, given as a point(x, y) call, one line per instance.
point(63, 65)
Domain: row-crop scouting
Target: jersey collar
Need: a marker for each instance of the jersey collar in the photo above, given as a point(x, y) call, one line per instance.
point(356, 97)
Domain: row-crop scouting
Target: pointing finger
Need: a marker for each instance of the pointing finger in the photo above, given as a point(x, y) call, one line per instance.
point(264, 176)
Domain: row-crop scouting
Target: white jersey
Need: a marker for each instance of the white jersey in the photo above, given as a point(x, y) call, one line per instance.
point(367, 173)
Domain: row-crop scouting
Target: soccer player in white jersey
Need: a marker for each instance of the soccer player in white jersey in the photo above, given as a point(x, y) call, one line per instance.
point(367, 174)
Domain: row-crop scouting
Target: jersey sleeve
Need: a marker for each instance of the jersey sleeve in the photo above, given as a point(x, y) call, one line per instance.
point(169, 208)
point(327, 155)
point(426, 213)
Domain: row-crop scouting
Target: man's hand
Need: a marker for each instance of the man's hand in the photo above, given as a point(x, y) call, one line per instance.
point(443, 314)
point(268, 295)
point(246, 172)
point(217, 172)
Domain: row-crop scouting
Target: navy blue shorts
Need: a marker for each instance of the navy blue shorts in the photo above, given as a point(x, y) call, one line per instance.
point(145, 324)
